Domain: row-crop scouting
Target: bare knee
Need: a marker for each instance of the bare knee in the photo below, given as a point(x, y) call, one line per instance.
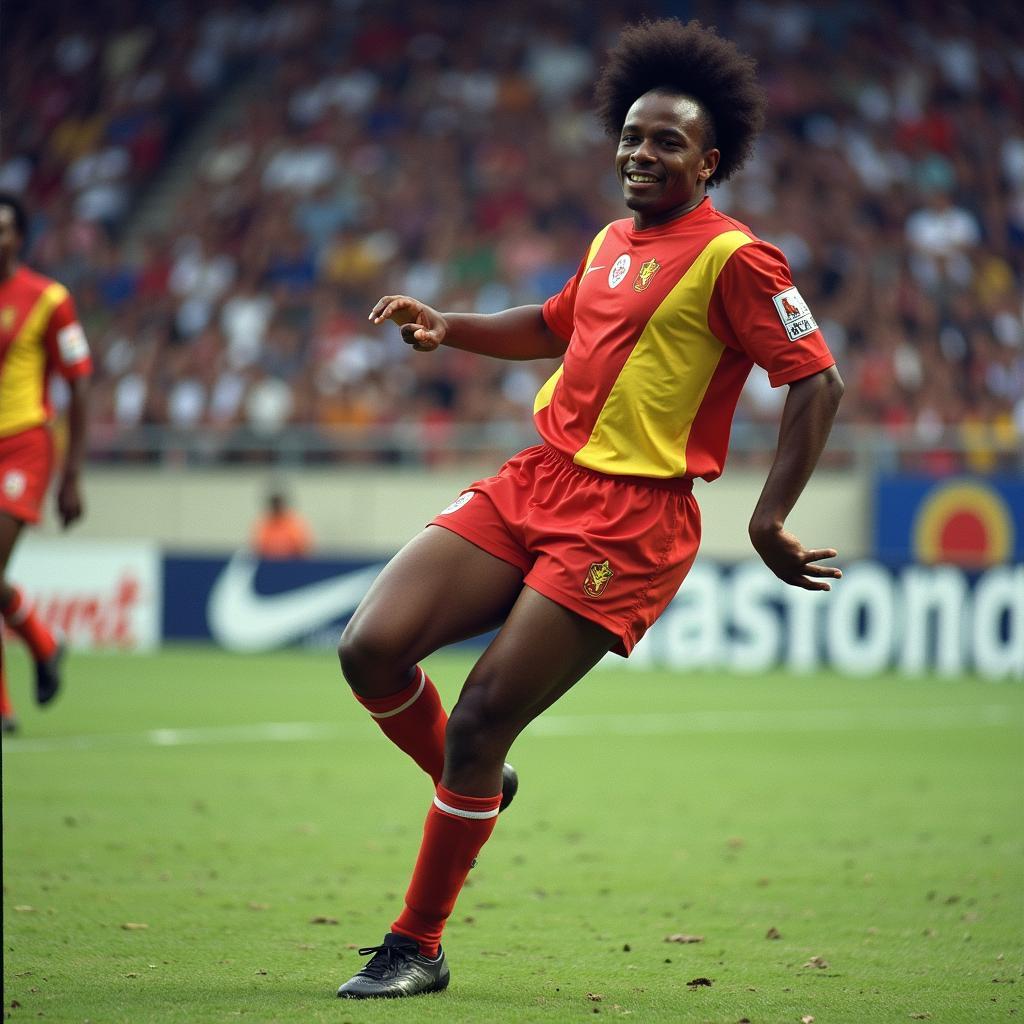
point(357, 653)
point(479, 733)
point(371, 660)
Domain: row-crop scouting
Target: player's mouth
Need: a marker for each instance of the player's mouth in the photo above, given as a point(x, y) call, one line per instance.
point(640, 180)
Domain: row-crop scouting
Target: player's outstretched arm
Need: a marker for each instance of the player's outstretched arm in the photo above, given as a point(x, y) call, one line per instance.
point(519, 333)
point(806, 421)
point(69, 494)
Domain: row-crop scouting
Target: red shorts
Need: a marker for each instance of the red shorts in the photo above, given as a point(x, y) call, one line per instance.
point(26, 462)
point(608, 548)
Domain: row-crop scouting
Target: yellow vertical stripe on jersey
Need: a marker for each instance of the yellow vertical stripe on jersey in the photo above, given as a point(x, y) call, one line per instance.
point(22, 388)
point(548, 387)
point(645, 422)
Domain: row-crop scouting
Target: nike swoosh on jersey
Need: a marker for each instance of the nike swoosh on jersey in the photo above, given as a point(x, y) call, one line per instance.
point(589, 269)
point(241, 619)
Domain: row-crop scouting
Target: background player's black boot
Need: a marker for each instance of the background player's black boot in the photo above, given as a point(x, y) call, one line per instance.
point(48, 676)
point(509, 785)
point(396, 969)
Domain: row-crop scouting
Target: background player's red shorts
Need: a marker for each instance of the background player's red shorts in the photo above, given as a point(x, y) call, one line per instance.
point(26, 461)
point(613, 550)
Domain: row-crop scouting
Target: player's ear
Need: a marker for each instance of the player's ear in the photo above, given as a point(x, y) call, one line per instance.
point(710, 164)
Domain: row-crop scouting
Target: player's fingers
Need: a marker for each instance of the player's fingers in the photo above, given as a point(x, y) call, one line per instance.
point(806, 584)
point(419, 332)
point(824, 570)
point(390, 310)
point(820, 553)
point(423, 339)
point(380, 304)
point(389, 305)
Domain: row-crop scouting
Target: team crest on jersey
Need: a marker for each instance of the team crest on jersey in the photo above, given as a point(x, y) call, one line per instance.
point(620, 268)
point(457, 504)
point(7, 315)
point(14, 484)
point(647, 272)
point(597, 578)
point(794, 313)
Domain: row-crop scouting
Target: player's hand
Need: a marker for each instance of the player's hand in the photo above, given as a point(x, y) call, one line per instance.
point(69, 500)
point(792, 562)
point(421, 325)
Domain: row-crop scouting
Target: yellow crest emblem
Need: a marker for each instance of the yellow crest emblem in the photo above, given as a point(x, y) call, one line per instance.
point(647, 272)
point(597, 578)
point(7, 315)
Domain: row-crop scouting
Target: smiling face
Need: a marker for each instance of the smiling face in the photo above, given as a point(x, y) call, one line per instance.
point(662, 163)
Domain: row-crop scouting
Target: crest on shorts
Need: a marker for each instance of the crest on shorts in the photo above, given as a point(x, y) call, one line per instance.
point(647, 272)
point(7, 315)
point(457, 503)
point(597, 578)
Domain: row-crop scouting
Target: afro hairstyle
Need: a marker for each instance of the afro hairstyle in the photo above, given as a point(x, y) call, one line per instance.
point(17, 208)
point(693, 60)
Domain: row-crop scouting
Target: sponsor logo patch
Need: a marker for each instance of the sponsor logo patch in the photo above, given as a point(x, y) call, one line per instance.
point(72, 344)
point(457, 504)
point(14, 483)
point(794, 313)
point(646, 274)
point(620, 268)
point(243, 619)
point(597, 578)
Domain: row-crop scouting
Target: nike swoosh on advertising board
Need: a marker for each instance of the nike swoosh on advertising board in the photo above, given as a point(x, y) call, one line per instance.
point(242, 619)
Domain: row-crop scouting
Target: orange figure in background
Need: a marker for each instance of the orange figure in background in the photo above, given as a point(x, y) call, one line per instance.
point(281, 532)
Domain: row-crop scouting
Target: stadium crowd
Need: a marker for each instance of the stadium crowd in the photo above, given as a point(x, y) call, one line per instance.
point(439, 150)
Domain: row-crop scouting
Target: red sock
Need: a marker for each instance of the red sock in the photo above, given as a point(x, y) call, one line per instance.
point(21, 616)
point(414, 720)
point(456, 828)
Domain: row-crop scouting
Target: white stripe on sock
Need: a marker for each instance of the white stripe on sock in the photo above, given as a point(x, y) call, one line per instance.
point(408, 703)
point(448, 809)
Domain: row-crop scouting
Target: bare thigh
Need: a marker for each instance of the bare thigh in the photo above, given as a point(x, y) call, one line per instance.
point(540, 653)
point(437, 590)
point(10, 529)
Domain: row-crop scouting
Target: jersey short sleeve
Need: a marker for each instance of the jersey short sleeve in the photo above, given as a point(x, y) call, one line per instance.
point(66, 345)
point(756, 308)
point(558, 310)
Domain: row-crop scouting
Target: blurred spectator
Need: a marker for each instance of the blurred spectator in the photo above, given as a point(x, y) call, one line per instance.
point(357, 156)
point(281, 532)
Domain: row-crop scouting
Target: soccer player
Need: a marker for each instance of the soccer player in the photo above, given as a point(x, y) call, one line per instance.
point(578, 544)
point(39, 335)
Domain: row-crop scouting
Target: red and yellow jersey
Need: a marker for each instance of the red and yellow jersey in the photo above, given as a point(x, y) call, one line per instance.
point(664, 326)
point(39, 335)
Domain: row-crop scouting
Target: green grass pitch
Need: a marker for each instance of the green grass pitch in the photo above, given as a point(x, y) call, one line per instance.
point(202, 837)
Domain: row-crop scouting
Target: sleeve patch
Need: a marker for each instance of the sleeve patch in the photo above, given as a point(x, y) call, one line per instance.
point(794, 313)
point(72, 344)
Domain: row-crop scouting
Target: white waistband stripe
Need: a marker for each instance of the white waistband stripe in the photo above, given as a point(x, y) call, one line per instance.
point(459, 812)
point(408, 703)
